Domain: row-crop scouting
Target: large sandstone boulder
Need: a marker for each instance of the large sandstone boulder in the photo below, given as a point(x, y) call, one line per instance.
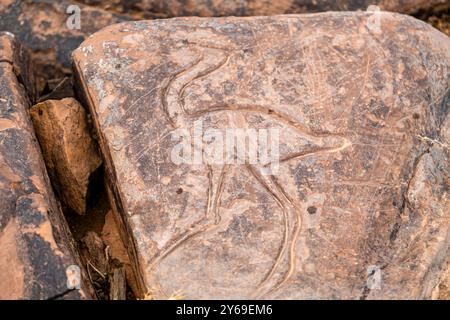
point(35, 249)
point(358, 207)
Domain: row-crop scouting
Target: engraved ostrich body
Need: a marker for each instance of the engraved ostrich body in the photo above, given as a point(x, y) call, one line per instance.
point(173, 96)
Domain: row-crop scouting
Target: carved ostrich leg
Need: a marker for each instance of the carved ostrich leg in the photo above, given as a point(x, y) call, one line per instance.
point(173, 103)
point(291, 232)
point(178, 117)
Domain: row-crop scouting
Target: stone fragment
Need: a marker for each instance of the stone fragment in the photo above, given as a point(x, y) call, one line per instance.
point(35, 247)
point(118, 285)
point(50, 32)
point(96, 256)
point(116, 249)
point(358, 206)
point(69, 151)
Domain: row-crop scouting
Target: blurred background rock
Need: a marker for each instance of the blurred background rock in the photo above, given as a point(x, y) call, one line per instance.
point(42, 24)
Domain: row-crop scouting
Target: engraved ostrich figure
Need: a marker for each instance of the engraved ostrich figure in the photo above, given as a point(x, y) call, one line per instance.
point(209, 59)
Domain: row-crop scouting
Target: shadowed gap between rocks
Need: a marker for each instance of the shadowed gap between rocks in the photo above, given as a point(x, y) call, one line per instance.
point(95, 232)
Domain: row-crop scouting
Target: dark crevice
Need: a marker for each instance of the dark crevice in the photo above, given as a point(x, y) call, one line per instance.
point(365, 293)
point(438, 10)
point(130, 10)
point(6, 61)
point(394, 232)
point(405, 200)
point(124, 231)
point(96, 193)
point(96, 209)
point(57, 89)
point(438, 17)
point(61, 295)
point(97, 206)
point(97, 202)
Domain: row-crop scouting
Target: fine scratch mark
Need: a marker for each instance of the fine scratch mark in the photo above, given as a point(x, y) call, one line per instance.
point(143, 151)
point(130, 108)
point(209, 191)
point(218, 196)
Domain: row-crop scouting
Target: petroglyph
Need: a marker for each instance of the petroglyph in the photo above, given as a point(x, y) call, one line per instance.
point(343, 102)
point(173, 102)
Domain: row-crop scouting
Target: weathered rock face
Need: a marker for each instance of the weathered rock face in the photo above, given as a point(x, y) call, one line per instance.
point(42, 26)
point(35, 248)
point(13, 53)
point(208, 8)
point(69, 151)
point(358, 207)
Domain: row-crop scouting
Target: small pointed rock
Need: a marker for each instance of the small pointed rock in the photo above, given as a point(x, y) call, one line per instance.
point(69, 151)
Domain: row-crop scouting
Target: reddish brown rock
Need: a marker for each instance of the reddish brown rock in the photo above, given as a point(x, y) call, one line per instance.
point(35, 246)
point(359, 205)
point(13, 53)
point(42, 26)
point(69, 151)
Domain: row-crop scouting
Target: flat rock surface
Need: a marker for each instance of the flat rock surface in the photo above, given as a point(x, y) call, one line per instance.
point(35, 248)
point(358, 207)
